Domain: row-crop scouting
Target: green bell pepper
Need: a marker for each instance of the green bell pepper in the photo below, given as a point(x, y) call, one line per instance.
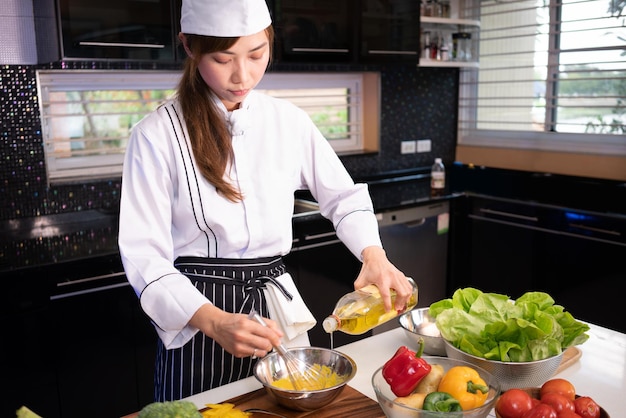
point(441, 402)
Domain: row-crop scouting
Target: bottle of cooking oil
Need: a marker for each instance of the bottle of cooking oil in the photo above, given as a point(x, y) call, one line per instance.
point(359, 311)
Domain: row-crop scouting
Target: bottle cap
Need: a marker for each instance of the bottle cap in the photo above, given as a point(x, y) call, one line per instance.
point(437, 160)
point(330, 324)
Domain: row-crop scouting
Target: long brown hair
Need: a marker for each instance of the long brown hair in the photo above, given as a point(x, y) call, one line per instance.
point(210, 137)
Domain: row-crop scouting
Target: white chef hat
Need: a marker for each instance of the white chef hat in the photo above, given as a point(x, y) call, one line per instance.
point(224, 18)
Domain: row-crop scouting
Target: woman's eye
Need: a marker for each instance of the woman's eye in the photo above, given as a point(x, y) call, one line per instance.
point(221, 60)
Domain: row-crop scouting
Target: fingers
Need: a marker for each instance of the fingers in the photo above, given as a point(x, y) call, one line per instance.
point(243, 337)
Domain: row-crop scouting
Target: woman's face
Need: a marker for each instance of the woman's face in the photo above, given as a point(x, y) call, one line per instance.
point(232, 73)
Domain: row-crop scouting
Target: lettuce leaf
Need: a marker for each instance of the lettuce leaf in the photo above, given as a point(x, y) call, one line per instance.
point(492, 326)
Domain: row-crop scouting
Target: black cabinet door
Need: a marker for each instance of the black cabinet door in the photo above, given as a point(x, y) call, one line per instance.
point(325, 31)
point(514, 247)
point(96, 353)
point(27, 362)
point(118, 29)
point(313, 31)
point(389, 31)
point(494, 246)
point(502, 258)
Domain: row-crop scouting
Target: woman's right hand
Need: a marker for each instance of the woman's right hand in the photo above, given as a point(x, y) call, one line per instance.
point(236, 333)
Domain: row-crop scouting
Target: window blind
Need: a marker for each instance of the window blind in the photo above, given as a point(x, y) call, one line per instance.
point(87, 116)
point(552, 75)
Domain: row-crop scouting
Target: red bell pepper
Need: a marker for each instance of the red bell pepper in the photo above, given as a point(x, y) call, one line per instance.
point(405, 370)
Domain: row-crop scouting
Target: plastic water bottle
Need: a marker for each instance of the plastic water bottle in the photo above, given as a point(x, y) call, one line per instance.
point(437, 178)
point(359, 311)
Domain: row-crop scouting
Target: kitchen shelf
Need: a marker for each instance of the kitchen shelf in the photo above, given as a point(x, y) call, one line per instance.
point(450, 25)
point(449, 21)
point(448, 64)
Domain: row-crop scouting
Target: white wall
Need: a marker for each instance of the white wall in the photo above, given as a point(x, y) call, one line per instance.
point(17, 32)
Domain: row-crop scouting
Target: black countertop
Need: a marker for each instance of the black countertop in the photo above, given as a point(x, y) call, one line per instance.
point(50, 240)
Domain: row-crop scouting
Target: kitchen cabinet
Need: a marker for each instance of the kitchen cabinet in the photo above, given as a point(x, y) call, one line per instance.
point(389, 31)
point(313, 31)
point(351, 31)
point(118, 29)
point(27, 352)
point(511, 246)
point(80, 343)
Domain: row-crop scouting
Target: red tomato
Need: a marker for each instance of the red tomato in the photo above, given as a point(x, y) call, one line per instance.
point(562, 386)
point(559, 402)
point(586, 407)
point(543, 410)
point(513, 403)
point(569, 414)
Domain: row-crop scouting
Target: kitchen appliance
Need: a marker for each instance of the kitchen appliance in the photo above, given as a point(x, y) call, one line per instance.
point(416, 242)
point(415, 239)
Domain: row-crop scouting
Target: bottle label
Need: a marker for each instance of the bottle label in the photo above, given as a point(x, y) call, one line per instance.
point(438, 180)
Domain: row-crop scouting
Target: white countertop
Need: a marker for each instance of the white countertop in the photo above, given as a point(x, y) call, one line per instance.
point(599, 373)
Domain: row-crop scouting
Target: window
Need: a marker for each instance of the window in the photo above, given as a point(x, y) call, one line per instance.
point(334, 103)
point(87, 115)
point(552, 76)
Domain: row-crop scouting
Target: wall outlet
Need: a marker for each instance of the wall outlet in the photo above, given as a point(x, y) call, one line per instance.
point(408, 147)
point(423, 145)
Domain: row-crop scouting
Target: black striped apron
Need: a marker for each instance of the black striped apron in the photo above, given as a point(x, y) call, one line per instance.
point(233, 285)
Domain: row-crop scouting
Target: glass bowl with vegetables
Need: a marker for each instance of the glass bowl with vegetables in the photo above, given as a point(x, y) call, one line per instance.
point(520, 341)
point(409, 385)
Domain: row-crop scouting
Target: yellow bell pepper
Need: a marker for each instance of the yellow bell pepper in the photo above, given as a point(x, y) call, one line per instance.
point(465, 384)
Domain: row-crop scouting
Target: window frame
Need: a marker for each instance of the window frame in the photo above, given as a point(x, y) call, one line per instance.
point(581, 143)
point(364, 110)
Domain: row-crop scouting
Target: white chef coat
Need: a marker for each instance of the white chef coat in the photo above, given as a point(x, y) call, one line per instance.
point(169, 210)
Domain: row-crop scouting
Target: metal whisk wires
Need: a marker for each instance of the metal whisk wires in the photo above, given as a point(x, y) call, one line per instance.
point(303, 376)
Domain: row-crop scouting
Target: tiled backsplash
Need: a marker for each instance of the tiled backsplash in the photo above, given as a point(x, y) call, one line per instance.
point(416, 103)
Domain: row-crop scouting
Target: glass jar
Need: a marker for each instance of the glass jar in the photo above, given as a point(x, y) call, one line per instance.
point(462, 46)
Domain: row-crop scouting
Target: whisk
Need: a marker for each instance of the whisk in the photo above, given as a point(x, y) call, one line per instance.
point(303, 376)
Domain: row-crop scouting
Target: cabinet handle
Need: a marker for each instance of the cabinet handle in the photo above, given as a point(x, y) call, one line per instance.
point(93, 279)
point(592, 229)
point(316, 245)
point(122, 44)
point(335, 50)
point(87, 291)
point(317, 236)
point(509, 215)
point(90, 279)
point(385, 52)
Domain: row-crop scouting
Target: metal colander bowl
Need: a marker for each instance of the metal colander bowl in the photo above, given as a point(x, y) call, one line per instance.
point(511, 374)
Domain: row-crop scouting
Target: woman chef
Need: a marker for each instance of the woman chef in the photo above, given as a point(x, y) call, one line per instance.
point(207, 203)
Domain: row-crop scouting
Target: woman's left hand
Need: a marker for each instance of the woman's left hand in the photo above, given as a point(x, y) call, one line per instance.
point(378, 270)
